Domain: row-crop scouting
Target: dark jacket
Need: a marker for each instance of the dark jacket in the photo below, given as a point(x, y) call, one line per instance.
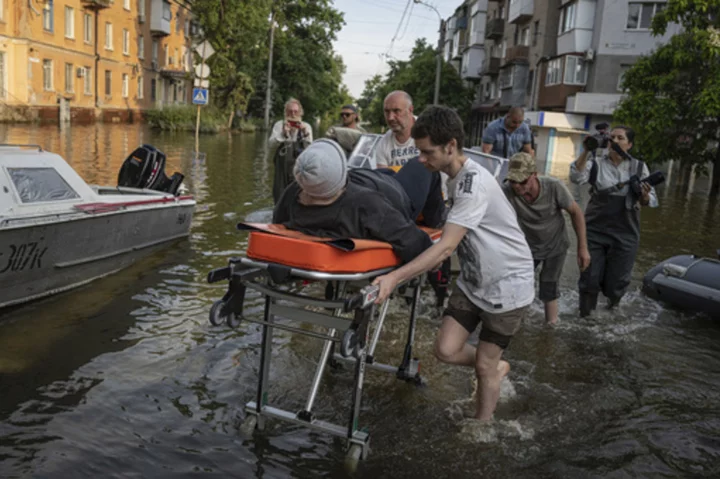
point(360, 212)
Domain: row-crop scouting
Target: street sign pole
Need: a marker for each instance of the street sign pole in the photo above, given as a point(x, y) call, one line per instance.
point(197, 120)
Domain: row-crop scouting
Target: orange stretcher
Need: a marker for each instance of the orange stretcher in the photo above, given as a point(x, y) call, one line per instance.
point(277, 244)
point(278, 257)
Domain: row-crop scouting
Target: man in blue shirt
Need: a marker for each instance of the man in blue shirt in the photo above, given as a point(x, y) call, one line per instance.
point(508, 135)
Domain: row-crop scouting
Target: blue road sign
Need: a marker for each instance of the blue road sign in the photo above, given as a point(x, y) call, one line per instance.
point(200, 96)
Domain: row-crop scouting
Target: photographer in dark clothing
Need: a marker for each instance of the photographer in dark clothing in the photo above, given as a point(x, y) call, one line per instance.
point(328, 200)
point(612, 216)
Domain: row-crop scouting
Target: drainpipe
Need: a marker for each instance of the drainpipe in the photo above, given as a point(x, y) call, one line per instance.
point(97, 57)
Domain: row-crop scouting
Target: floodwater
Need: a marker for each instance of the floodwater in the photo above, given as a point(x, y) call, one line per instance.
point(126, 377)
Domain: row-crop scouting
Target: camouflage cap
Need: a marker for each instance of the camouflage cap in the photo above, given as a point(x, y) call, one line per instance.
point(522, 165)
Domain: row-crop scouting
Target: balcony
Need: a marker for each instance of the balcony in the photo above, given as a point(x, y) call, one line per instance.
point(472, 62)
point(461, 23)
point(160, 16)
point(491, 66)
point(96, 4)
point(520, 11)
point(592, 103)
point(495, 29)
point(459, 44)
point(477, 39)
point(518, 53)
point(574, 41)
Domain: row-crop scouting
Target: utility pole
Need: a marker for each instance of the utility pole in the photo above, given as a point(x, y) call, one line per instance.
point(441, 41)
point(269, 75)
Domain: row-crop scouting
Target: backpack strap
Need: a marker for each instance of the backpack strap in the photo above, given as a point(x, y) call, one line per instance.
point(593, 173)
point(505, 144)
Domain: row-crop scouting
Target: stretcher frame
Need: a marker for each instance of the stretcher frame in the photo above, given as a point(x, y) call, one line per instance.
point(352, 336)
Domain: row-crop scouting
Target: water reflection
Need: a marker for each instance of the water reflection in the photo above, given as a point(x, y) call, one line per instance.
point(126, 376)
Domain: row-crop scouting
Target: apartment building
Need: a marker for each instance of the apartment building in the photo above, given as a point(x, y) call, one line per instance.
point(86, 60)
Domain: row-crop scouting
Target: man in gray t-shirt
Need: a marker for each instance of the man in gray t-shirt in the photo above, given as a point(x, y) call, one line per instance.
point(538, 202)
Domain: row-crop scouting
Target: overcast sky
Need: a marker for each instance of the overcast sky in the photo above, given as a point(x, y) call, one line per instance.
point(369, 29)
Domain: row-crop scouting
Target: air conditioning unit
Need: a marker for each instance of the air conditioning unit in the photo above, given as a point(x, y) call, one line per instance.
point(141, 18)
point(589, 55)
point(80, 72)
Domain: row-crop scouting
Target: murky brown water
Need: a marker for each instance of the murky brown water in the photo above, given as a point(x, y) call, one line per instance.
point(125, 377)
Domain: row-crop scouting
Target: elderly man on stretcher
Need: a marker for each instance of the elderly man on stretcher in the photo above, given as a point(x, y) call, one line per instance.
point(328, 200)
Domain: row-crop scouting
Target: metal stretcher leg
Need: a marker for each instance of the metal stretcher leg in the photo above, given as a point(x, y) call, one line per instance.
point(409, 369)
point(265, 355)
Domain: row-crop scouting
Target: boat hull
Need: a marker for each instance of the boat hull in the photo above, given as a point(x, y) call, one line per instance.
point(44, 259)
point(686, 282)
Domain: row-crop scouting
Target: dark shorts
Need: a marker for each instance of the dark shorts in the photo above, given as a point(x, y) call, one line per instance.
point(549, 277)
point(497, 328)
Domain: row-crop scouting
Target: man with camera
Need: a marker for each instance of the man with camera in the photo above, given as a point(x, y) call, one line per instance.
point(539, 202)
point(289, 137)
point(619, 185)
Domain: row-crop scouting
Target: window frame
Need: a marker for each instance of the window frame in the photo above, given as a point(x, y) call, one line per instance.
point(87, 81)
point(69, 25)
point(554, 66)
point(126, 42)
point(69, 78)
point(48, 16)
point(565, 25)
point(70, 198)
point(126, 5)
point(87, 28)
point(578, 60)
point(141, 47)
point(48, 83)
point(108, 36)
point(640, 17)
point(125, 91)
point(141, 87)
point(108, 83)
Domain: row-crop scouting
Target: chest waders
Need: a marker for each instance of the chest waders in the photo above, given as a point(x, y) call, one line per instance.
point(613, 233)
point(284, 162)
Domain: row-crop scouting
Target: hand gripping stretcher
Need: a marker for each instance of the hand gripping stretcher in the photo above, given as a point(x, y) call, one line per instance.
point(276, 258)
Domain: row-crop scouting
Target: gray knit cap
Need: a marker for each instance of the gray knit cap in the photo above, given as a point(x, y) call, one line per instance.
point(321, 169)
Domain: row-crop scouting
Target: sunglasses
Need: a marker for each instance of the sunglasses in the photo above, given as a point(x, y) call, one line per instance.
point(346, 114)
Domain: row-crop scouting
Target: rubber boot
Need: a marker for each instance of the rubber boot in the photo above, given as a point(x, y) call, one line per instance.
point(613, 302)
point(588, 302)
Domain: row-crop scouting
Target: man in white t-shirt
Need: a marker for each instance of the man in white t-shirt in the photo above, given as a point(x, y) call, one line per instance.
point(396, 147)
point(496, 283)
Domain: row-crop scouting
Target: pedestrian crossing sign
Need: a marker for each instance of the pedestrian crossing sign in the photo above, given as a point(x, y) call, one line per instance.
point(200, 96)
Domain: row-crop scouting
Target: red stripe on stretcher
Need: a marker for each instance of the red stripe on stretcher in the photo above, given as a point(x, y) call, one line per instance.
point(106, 207)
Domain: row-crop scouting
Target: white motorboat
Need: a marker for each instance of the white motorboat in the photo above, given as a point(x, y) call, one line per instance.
point(57, 232)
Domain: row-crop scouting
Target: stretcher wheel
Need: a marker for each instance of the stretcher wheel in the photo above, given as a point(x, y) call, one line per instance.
point(348, 343)
point(248, 426)
point(216, 318)
point(352, 458)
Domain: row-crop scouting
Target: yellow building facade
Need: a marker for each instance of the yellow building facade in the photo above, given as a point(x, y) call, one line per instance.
point(82, 60)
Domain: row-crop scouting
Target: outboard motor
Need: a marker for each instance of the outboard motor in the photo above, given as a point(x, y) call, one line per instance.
point(145, 168)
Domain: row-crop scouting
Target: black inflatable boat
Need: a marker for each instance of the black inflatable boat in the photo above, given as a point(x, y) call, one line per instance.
point(686, 282)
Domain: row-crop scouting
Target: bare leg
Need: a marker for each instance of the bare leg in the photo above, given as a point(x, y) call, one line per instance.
point(490, 370)
point(551, 312)
point(451, 346)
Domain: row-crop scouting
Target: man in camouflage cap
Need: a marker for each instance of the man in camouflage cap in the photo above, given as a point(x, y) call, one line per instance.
point(538, 202)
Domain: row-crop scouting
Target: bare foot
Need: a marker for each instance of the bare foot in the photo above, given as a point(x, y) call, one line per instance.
point(551, 322)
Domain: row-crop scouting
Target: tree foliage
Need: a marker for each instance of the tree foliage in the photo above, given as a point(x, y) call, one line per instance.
point(304, 65)
point(673, 94)
point(417, 77)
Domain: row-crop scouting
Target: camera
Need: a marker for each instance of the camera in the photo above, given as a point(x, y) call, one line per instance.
point(653, 180)
point(598, 140)
point(295, 124)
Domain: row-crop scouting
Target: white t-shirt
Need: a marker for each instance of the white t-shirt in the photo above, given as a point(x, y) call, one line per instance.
point(391, 153)
point(495, 260)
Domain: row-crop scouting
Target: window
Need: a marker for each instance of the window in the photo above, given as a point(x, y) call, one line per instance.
point(141, 7)
point(87, 28)
point(621, 76)
point(40, 184)
point(575, 71)
point(167, 13)
point(640, 15)
point(567, 18)
point(506, 78)
point(126, 4)
point(69, 78)
point(141, 47)
point(166, 51)
point(47, 16)
point(155, 51)
point(553, 75)
point(87, 81)
point(503, 50)
point(187, 28)
point(125, 85)
point(108, 36)
point(2, 9)
point(126, 42)
point(108, 82)
point(141, 92)
point(69, 22)
point(501, 11)
point(536, 32)
point(3, 93)
point(47, 75)
point(153, 89)
point(525, 36)
point(176, 57)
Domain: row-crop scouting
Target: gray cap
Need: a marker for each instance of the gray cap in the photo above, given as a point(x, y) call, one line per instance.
point(321, 169)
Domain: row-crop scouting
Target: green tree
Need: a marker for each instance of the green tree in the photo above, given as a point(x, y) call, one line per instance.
point(417, 77)
point(673, 94)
